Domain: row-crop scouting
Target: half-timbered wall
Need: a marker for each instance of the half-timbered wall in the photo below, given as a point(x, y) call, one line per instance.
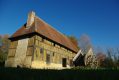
point(37, 52)
point(49, 54)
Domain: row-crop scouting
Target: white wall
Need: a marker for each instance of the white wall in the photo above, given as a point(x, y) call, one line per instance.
point(21, 52)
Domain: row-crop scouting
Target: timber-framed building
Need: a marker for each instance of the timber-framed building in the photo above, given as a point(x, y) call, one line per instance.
point(38, 45)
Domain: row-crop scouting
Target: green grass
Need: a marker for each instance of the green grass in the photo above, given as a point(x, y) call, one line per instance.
point(66, 74)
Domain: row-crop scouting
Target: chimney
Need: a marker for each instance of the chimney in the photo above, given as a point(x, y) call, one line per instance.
point(30, 19)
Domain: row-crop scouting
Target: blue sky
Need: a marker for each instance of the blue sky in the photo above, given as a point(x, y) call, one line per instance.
point(99, 19)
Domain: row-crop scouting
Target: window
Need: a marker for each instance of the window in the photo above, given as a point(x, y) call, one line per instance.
point(41, 50)
point(53, 54)
point(48, 58)
point(42, 40)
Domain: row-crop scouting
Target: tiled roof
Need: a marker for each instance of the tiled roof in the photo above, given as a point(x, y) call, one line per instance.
point(41, 27)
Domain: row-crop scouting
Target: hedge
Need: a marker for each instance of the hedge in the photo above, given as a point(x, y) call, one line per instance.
point(65, 74)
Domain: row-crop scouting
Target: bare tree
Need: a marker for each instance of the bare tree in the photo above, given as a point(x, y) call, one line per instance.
point(5, 43)
point(100, 58)
point(4, 46)
point(85, 43)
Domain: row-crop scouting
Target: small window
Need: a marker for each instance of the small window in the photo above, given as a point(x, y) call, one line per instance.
point(48, 58)
point(53, 54)
point(41, 50)
point(42, 40)
point(53, 44)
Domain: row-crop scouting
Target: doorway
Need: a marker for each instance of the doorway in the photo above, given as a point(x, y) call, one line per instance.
point(64, 62)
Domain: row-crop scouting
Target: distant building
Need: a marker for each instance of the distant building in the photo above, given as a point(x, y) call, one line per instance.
point(37, 45)
point(79, 59)
point(85, 58)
